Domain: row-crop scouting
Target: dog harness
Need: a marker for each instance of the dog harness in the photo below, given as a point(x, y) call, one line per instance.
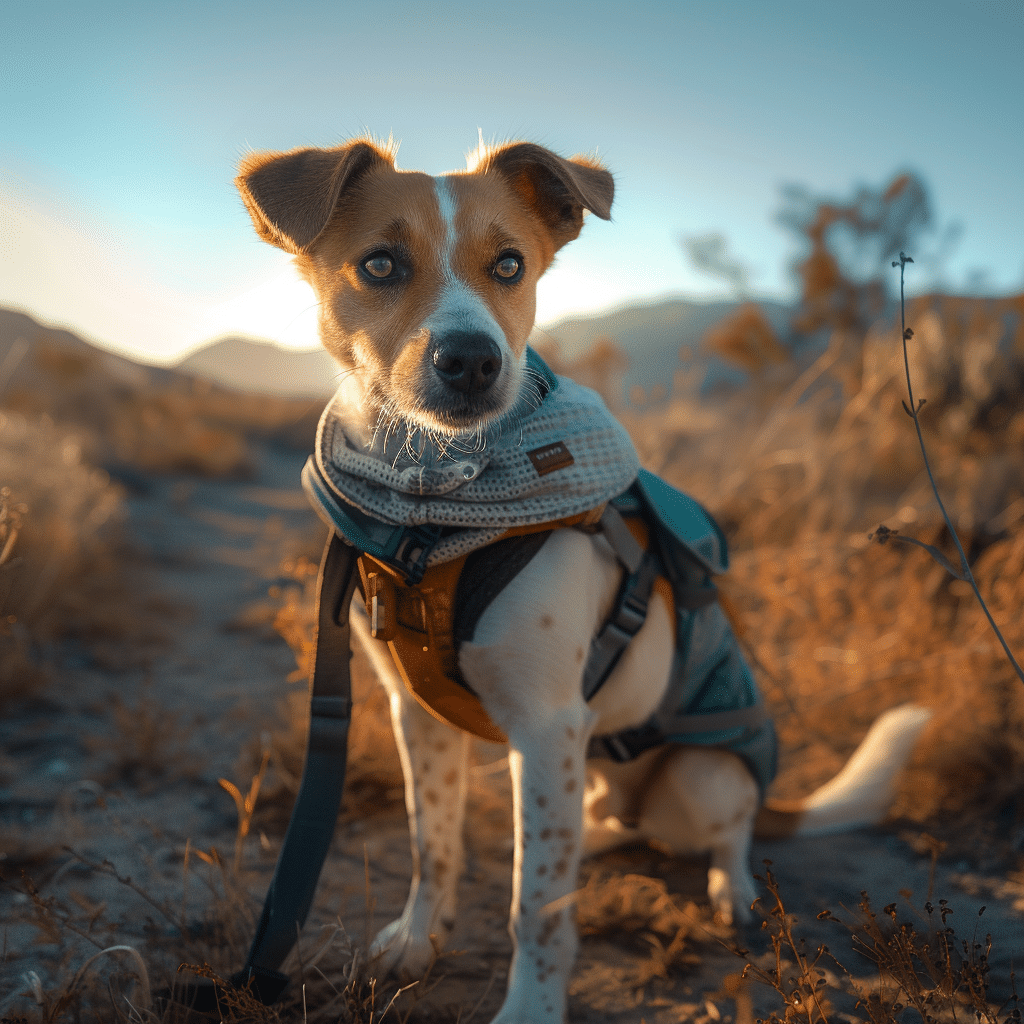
point(430, 533)
point(439, 540)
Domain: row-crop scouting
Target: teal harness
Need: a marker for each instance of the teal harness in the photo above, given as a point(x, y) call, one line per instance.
point(712, 699)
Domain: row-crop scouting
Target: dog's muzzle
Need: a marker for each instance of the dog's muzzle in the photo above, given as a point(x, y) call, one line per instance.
point(466, 361)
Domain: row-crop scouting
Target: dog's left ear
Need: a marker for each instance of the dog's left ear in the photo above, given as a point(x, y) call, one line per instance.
point(558, 189)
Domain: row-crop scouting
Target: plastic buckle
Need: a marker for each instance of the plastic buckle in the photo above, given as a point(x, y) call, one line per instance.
point(631, 613)
point(413, 550)
point(617, 749)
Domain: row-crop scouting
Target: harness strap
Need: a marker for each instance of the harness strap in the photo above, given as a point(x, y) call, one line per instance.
point(630, 609)
point(629, 743)
point(486, 574)
point(644, 571)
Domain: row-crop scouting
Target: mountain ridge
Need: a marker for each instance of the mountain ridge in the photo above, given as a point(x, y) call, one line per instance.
point(649, 334)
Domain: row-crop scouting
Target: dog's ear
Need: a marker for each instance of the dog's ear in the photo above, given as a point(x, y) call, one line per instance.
point(558, 189)
point(291, 196)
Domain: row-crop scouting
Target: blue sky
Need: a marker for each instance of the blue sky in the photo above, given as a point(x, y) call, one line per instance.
point(121, 124)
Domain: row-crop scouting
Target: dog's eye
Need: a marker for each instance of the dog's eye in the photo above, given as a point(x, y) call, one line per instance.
point(380, 265)
point(509, 267)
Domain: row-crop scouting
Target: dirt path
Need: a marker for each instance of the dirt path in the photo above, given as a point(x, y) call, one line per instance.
point(124, 768)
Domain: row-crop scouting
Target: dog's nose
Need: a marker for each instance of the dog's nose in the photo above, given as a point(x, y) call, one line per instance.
point(469, 361)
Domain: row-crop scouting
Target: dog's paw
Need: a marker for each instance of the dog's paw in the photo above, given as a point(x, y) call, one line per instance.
point(731, 896)
point(398, 950)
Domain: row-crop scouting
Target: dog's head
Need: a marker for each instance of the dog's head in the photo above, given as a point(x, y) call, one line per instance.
point(427, 286)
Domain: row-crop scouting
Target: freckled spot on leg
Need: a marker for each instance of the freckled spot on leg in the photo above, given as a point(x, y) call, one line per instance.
point(546, 621)
point(425, 767)
point(560, 868)
point(431, 797)
point(542, 870)
point(570, 732)
point(440, 746)
point(542, 801)
point(579, 655)
point(567, 764)
point(545, 834)
point(570, 785)
point(550, 926)
point(451, 778)
point(440, 870)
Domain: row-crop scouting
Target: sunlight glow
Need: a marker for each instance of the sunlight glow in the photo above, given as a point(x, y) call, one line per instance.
point(282, 309)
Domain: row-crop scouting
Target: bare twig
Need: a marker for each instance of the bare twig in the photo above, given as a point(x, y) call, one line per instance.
point(884, 534)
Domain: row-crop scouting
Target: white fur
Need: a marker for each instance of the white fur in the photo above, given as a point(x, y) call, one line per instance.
point(458, 306)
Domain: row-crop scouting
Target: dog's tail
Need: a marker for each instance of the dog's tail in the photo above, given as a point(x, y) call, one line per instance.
point(861, 793)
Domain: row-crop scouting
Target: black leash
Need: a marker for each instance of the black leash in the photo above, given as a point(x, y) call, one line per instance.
point(311, 827)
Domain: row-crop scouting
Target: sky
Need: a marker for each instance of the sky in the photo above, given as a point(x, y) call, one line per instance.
point(121, 125)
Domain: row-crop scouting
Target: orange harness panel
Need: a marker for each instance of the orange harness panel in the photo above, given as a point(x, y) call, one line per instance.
point(417, 623)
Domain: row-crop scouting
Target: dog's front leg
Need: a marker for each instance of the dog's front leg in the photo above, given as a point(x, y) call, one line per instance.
point(548, 770)
point(435, 760)
point(526, 662)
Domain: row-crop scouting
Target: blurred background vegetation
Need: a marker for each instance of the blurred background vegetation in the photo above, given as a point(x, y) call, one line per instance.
point(790, 429)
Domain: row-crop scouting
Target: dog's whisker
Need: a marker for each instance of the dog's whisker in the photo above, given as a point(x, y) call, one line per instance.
point(376, 430)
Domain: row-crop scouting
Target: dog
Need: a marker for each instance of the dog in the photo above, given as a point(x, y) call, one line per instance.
point(427, 295)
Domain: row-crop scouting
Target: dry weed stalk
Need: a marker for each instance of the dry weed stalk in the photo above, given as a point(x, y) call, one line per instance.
point(245, 805)
point(884, 534)
point(801, 982)
point(927, 970)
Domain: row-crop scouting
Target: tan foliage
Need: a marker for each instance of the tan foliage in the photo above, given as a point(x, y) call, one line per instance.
point(746, 339)
point(60, 575)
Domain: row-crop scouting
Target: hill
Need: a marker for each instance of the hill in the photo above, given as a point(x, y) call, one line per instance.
point(262, 367)
point(650, 335)
point(131, 415)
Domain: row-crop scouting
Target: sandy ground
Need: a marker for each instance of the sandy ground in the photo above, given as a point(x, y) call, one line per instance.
point(124, 768)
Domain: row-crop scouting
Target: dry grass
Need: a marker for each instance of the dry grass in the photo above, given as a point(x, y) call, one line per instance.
point(64, 571)
point(799, 470)
point(158, 421)
point(923, 970)
point(119, 983)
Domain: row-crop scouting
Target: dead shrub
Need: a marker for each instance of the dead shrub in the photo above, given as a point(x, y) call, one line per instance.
point(64, 572)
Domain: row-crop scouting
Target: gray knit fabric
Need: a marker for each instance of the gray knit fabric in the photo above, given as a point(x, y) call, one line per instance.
point(487, 482)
